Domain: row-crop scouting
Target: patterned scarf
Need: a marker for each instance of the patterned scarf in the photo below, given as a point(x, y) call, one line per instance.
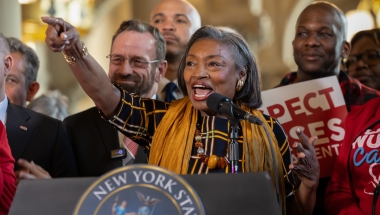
point(174, 138)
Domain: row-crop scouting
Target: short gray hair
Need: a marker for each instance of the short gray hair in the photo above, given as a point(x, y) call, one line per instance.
point(250, 94)
point(52, 103)
point(141, 27)
point(30, 57)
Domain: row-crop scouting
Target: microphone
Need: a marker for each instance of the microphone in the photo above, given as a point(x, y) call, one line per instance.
point(224, 106)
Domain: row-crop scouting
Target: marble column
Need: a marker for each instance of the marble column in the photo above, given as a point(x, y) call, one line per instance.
point(10, 18)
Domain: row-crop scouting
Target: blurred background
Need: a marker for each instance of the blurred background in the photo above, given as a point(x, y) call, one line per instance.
point(267, 25)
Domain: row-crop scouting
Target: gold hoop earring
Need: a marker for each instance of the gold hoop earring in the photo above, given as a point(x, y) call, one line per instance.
point(239, 85)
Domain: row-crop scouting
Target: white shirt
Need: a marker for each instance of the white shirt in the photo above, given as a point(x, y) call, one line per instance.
point(3, 109)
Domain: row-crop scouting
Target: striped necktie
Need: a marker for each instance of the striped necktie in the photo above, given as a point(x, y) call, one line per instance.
point(169, 89)
point(132, 148)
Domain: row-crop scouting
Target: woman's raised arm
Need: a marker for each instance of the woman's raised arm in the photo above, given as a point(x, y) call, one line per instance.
point(63, 37)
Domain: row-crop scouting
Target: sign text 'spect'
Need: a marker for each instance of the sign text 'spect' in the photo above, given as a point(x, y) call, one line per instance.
point(317, 107)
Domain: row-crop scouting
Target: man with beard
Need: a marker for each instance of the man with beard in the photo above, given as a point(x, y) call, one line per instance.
point(177, 20)
point(318, 48)
point(136, 64)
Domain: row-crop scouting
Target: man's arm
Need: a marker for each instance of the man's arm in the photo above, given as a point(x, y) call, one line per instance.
point(61, 36)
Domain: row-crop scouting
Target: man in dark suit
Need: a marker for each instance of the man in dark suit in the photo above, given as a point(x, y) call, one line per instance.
point(136, 46)
point(33, 136)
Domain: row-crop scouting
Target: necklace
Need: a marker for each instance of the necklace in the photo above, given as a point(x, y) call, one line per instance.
point(211, 161)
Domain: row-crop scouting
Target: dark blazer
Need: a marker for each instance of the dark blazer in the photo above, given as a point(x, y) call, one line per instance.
point(92, 140)
point(41, 139)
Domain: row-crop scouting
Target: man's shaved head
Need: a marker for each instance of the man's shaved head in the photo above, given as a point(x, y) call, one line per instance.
point(341, 19)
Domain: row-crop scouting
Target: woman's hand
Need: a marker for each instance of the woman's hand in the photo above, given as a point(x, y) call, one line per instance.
point(60, 35)
point(306, 169)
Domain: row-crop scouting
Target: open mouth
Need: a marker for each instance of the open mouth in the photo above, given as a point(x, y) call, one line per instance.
point(201, 91)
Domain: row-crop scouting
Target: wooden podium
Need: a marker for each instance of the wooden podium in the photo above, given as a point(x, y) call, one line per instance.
point(245, 193)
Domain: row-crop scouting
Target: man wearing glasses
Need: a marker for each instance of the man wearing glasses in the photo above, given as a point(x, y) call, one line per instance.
point(136, 64)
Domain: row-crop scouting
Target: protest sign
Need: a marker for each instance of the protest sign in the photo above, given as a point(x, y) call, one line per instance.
point(318, 108)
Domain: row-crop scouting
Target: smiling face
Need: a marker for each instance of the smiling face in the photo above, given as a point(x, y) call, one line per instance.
point(368, 73)
point(319, 42)
point(210, 68)
point(177, 21)
point(136, 46)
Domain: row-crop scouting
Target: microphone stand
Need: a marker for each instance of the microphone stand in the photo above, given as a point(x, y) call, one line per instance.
point(254, 120)
point(233, 147)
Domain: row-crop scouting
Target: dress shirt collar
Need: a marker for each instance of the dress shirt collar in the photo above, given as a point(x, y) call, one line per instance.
point(3, 109)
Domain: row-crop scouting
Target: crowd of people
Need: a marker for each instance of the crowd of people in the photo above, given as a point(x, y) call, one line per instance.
point(160, 77)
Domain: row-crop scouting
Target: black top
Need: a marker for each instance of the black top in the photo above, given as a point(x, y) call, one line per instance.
point(138, 119)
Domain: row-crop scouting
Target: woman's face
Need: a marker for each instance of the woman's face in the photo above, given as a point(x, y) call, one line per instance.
point(364, 62)
point(210, 68)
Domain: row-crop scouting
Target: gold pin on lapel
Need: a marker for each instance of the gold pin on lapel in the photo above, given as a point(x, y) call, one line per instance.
point(23, 128)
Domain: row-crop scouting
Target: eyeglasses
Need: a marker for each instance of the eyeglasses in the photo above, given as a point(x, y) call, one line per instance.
point(370, 57)
point(134, 62)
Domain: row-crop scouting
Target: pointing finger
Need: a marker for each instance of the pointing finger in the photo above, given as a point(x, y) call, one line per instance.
point(305, 141)
point(49, 20)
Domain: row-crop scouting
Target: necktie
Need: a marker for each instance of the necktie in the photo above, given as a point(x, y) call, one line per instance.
point(132, 148)
point(169, 89)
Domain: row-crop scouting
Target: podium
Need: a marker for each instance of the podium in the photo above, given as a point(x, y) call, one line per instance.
point(245, 193)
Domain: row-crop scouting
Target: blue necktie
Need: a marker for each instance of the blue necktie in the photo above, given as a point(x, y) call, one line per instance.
point(169, 89)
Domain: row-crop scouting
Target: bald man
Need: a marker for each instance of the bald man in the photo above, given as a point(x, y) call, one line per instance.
point(177, 20)
point(318, 48)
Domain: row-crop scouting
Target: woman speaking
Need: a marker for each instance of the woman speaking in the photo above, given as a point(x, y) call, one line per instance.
point(186, 136)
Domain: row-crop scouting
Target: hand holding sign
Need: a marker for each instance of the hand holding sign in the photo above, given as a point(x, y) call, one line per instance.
point(307, 166)
point(318, 110)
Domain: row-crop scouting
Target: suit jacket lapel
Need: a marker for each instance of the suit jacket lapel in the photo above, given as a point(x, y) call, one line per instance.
point(18, 130)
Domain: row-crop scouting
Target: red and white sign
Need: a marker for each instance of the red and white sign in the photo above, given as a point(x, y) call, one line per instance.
point(317, 107)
